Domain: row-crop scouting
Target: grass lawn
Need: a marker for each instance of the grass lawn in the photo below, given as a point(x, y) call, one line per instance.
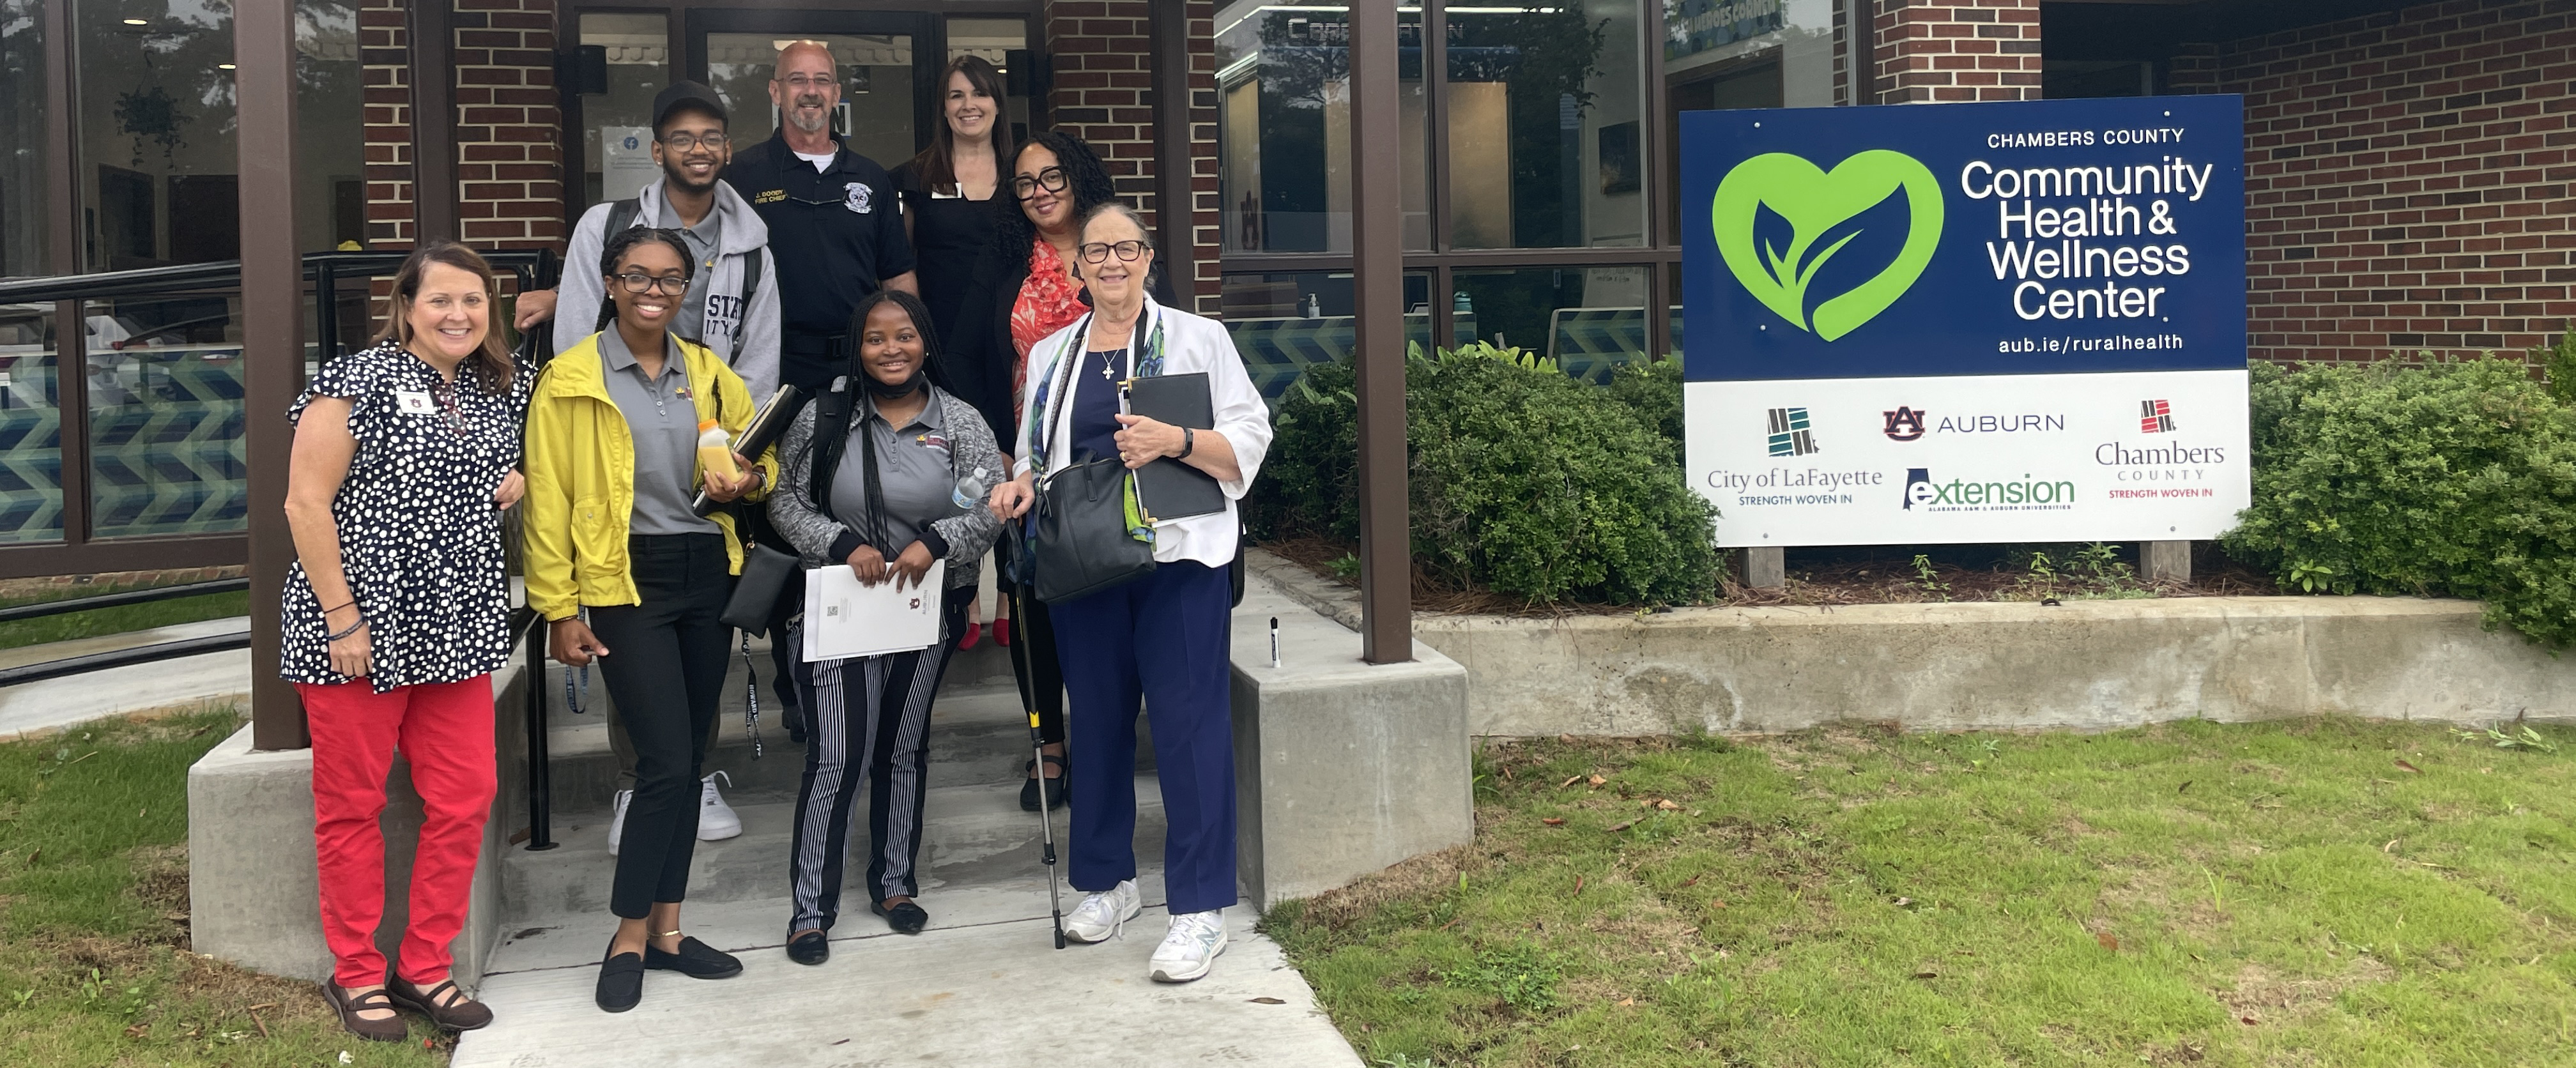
point(94, 960)
point(2323, 892)
point(121, 619)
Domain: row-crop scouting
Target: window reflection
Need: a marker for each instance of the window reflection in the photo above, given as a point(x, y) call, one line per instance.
point(1544, 102)
point(1284, 121)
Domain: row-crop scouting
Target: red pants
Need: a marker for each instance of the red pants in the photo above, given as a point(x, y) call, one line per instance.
point(445, 730)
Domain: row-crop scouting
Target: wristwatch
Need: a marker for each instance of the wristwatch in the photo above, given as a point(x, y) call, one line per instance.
point(1189, 442)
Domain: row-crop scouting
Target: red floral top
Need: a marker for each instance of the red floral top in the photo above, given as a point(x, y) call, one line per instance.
point(1049, 301)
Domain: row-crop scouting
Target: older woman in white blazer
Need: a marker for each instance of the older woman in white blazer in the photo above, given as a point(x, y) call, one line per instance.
point(1164, 639)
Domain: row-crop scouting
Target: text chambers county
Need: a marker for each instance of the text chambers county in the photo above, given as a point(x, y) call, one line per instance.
point(2101, 208)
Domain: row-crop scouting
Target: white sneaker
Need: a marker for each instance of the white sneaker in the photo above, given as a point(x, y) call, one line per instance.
point(617, 820)
point(717, 821)
point(1101, 915)
point(1190, 948)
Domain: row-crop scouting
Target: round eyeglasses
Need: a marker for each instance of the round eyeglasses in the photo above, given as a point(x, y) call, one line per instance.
point(1098, 251)
point(1052, 179)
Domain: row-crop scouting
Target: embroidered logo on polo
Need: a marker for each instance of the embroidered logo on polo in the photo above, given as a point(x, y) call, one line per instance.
point(858, 197)
point(1779, 219)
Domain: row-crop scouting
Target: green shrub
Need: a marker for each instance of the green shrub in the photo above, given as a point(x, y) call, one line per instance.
point(1523, 481)
point(2441, 479)
point(2558, 363)
point(1654, 390)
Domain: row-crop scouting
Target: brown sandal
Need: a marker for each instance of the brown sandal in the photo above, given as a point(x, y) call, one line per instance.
point(389, 1029)
point(465, 1014)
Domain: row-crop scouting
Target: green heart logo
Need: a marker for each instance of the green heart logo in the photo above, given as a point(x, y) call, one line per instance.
point(1814, 202)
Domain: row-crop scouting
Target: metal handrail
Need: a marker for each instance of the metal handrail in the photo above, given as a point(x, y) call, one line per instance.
point(529, 266)
point(141, 654)
point(42, 609)
point(541, 789)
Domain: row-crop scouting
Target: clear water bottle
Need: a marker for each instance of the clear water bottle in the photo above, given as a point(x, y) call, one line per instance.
point(972, 489)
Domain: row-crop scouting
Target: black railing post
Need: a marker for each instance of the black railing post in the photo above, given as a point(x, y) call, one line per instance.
point(326, 312)
point(541, 802)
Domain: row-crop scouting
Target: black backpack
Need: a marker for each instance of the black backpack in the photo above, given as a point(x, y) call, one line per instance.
point(621, 215)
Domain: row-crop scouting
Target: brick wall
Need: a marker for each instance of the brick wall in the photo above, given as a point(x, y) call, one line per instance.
point(385, 52)
point(2406, 179)
point(509, 167)
point(1103, 93)
point(1945, 51)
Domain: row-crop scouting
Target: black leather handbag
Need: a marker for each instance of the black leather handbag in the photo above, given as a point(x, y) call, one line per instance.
point(1082, 542)
point(765, 572)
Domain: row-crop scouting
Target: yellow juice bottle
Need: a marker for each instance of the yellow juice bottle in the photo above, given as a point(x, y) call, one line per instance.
point(715, 451)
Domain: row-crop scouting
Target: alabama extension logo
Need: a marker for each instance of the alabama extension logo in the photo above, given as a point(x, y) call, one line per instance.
point(1821, 212)
point(1961, 495)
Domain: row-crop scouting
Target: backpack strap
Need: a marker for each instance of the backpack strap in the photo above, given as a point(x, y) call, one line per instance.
point(833, 412)
point(750, 285)
point(621, 216)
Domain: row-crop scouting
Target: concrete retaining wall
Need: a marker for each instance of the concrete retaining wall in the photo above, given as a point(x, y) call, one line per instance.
point(2087, 664)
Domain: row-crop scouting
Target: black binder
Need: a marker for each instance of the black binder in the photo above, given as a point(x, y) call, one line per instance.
point(1169, 488)
point(768, 424)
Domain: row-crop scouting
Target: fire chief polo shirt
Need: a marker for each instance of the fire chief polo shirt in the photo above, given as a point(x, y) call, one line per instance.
point(835, 234)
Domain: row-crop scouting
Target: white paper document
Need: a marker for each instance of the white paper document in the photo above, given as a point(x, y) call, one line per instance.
point(844, 619)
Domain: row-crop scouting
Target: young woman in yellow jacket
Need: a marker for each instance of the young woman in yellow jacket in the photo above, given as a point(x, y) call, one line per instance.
point(612, 464)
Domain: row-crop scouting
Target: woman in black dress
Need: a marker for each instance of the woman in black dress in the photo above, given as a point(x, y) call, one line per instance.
point(948, 190)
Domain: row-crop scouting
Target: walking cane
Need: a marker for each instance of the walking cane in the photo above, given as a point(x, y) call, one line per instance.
point(1037, 742)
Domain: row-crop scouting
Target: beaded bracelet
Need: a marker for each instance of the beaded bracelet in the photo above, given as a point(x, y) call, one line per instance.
point(353, 628)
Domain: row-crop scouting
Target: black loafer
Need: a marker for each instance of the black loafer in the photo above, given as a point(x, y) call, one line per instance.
point(621, 982)
point(812, 947)
point(906, 918)
point(696, 959)
point(1055, 787)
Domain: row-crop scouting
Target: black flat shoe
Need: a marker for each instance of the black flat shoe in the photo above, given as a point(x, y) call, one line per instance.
point(621, 982)
point(906, 918)
point(1055, 787)
point(812, 947)
point(696, 959)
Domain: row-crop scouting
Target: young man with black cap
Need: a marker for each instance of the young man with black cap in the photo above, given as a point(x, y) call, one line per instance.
point(731, 307)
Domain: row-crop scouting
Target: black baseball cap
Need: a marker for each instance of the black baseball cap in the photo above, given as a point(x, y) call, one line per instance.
point(686, 95)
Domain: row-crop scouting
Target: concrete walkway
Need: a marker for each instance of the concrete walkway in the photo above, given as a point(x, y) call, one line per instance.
point(992, 995)
point(183, 682)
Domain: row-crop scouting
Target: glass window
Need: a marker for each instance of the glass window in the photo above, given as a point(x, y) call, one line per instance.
point(1545, 139)
point(24, 214)
point(1284, 127)
point(31, 444)
point(1284, 322)
point(617, 135)
point(1588, 319)
point(161, 183)
point(165, 411)
point(876, 114)
point(995, 40)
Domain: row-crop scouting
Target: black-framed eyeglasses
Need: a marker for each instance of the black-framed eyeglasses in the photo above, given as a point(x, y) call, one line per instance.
point(1098, 251)
point(670, 285)
point(1052, 179)
point(682, 142)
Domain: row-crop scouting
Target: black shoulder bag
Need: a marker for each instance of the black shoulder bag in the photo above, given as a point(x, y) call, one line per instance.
point(1082, 543)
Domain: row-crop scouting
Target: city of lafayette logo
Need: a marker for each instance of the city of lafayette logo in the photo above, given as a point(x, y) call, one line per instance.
point(2155, 417)
point(1904, 424)
point(1818, 207)
point(1790, 435)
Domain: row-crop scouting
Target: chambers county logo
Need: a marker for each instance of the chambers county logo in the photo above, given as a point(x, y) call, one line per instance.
point(1790, 434)
point(1923, 493)
point(2155, 417)
point(1822, 213)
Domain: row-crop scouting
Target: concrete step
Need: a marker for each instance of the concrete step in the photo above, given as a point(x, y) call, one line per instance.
point(973, 835)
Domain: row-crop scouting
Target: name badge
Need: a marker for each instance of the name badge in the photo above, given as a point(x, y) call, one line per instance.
point(414, 402)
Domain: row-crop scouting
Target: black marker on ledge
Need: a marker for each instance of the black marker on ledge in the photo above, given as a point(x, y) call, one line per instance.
point(1274, 641)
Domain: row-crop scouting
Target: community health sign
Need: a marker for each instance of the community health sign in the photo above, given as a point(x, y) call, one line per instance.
point(1967, 322)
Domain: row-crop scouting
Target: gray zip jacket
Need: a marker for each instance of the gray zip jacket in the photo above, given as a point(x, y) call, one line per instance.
point(822, 541)
point(745, 337)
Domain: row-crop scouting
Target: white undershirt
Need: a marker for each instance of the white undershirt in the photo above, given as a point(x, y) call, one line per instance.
point(821, 162)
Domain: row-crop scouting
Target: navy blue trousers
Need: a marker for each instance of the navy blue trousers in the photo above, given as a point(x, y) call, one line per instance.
point(1165, 639)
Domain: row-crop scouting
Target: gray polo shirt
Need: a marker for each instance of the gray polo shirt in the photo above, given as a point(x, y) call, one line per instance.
point(665, 424)
point(703, 241)
point(919, 475)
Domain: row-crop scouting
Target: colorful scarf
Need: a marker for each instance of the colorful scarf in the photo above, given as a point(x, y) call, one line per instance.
point(1049, 301)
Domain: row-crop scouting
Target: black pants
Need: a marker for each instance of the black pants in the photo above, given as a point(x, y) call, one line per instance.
point(666, 671)
point(870, 718)
point(1037, 671)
